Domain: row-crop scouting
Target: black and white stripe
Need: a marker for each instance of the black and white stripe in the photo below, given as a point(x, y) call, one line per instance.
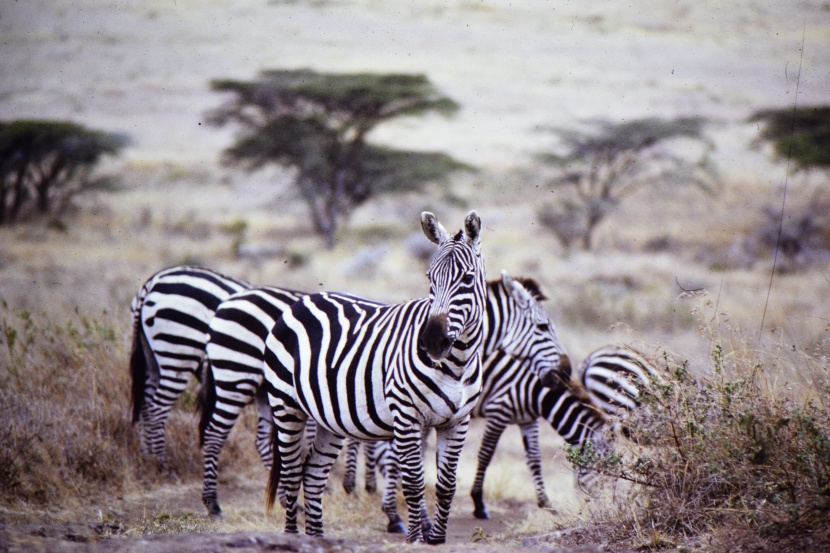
point(614, 377)
point(171, 313)
point(374, 372)
point(234, 376)
point(511, 394)
point(514, 320)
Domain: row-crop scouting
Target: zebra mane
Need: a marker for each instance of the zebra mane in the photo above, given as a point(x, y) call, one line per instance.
point(532, 286)
point(577, 390)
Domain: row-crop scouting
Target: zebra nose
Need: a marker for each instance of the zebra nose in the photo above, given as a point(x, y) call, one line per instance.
point(434, 338)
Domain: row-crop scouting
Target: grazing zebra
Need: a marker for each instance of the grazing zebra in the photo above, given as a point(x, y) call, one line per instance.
point(373, 372)
point(614, 377)
point(233, 376)
point(514, 321)
point(511, 394)
point(171, 313)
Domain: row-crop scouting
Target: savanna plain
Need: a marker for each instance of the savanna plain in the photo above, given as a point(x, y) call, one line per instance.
point(688, 276)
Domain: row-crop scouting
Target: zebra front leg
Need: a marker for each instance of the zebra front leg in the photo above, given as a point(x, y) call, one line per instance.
point(530, 439)
point(407, 447)
point(316, 469)
point(448, 448)
point(350, 478)
point(492, 433)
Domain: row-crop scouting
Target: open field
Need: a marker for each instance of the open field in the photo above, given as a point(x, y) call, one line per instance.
point(143, 69)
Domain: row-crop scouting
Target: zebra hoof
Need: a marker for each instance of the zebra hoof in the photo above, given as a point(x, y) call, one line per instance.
point(435, 541)
point(396, 527)
point(371, 488)
point(348, 486)
point(214, 511)
point(481, 513)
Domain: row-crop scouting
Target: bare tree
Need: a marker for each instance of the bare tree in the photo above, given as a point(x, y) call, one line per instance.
point(598, 170)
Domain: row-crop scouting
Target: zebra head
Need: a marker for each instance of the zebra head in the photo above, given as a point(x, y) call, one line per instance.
point(528, 332)
point(456, 287)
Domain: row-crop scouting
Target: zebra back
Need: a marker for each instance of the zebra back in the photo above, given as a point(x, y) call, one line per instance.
point(614, 377)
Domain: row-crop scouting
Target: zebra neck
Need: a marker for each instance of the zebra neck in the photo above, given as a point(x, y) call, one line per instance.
point(496, 311)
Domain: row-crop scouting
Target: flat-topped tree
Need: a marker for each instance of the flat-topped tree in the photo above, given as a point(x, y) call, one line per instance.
point(318, 124)
point(801, 135)
point(44, 164)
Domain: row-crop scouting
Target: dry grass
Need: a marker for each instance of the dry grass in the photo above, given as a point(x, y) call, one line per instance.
point(743, 444)
point(67, 295)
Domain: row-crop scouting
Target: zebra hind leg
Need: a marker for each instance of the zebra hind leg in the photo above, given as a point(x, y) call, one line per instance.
point(384, 456)
point(530, 439)
point(492, 434)
point(316, 469)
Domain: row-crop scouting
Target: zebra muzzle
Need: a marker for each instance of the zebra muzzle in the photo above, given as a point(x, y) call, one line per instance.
point(435, 337)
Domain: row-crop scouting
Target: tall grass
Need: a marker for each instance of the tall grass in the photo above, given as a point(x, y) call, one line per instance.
point(65, 430)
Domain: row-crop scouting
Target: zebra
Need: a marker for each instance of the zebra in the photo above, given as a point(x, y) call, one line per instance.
point(377, 371)
point(234, 376)
point(511, 394)
point(614, 377)
point(514, 320)
point(171, 313)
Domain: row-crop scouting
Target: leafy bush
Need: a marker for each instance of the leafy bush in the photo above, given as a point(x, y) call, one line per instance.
point(722, 450)
point(44, 164)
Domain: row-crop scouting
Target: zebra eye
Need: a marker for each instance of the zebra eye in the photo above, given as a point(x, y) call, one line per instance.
point(467, 279)
point(543, 327)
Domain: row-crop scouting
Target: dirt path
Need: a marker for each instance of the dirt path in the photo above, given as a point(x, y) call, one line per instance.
point(111, 525)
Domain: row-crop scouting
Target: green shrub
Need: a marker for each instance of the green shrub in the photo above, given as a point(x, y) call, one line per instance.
point(725, 449)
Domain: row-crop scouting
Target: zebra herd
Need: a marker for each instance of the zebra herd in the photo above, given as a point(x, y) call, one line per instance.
point(330, 368)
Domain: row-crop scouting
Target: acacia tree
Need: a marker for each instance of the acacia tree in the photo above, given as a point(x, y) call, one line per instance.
point(318, 124)
point(47, 163)
point(801, 135)
point(598, 169)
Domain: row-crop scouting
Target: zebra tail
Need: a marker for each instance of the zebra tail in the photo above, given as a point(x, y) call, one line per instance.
point(207, 402)
point(274, 476)
point(138, 367)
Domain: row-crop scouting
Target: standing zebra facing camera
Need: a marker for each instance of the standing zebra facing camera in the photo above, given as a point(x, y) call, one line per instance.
point(514, 321)
point(376, 371)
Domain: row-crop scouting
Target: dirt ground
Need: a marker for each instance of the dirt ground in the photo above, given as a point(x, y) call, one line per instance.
point(169, 515)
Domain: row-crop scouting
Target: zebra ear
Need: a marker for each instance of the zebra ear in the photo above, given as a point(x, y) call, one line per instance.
point(516, 290)
point(433, 230)
point(472, 229)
